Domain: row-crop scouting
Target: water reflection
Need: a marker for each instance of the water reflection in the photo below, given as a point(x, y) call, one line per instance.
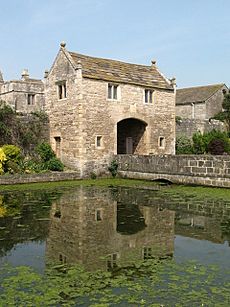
point(101, 231)
point(103, 228)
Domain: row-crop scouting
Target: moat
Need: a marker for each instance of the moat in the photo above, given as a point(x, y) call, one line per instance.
point(113, 228)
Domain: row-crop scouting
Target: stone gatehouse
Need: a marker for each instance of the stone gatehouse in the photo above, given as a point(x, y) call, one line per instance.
point(100, 107)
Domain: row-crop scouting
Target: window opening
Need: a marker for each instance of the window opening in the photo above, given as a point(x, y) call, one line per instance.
point(62, 90)
point(147, 253)
point(98, 141)
point(98, 215)
point(148, 96)
point(112, 91)
point(162, 142)
point(30, 99)
point(111, 261)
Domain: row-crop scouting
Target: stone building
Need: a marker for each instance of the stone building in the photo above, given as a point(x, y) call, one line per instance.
point(201, 102)
point(25, 95)
point(101, 107)
point(196, 106)
point(93, 228)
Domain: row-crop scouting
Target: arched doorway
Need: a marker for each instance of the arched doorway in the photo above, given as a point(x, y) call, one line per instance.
point(131, 136)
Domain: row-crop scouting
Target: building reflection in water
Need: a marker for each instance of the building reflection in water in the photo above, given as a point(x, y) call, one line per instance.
point(102, 229)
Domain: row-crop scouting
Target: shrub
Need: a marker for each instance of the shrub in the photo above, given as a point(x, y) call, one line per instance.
point(12, 152)
point(13, 156)
point(2, 160)
point(113, 168)
point(183, 145)
point(54, 164)
point(199, 145)
point(216, 147)
point(45, 152)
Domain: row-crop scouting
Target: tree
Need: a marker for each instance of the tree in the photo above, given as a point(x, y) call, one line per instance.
point(225, 114)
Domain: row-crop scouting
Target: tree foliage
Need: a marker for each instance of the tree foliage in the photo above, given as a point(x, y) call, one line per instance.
point(224, 115)
point(213, 142)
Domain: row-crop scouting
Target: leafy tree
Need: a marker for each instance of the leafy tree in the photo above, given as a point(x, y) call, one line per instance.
point(225, 114)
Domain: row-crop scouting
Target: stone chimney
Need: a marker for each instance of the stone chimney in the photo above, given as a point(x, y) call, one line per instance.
point(25, 74)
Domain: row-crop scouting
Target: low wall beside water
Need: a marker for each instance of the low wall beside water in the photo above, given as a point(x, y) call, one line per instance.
point(182, 169)
point(33, 178)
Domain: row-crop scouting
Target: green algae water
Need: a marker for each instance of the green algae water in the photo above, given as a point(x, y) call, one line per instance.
point(79, 245)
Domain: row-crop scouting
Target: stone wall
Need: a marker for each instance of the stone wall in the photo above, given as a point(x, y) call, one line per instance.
point(182, 169)
point(187, 127)
point(35, 178)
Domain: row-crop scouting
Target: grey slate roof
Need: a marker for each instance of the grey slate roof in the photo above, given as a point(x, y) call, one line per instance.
point(196, 94)
point(120, 72)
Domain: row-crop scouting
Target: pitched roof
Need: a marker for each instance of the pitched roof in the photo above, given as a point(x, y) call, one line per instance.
point(117, 71)
point(196, 94)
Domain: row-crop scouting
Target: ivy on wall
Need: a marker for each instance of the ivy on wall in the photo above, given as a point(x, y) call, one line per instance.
point(24, 131)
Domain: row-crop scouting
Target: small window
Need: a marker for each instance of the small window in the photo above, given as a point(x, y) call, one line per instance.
point(62, 90)
point(148, 96)
point(147, 253)
point(161, 142)
point(112, 91)
point(30, 99)
point(98, 215)
point(57, 146)
point(98, 141)
point(111, 261)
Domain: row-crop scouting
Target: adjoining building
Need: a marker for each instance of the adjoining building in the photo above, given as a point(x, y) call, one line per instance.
point(200, 102)
point(25, 95)
point(195, 107)
point(101, 107)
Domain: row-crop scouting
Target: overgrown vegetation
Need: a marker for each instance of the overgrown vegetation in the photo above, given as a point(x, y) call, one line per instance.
point(214, 142)
point(24, 132)
point(29, 154)
point(13, 161)
point(145, 283)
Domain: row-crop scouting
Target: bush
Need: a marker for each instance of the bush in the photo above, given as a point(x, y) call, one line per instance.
point(211, 142)
point(199, 144)
point(13, 156)
point(45, 152)
point(2, 160)
point(113, 168)
point(54, 164)
point(12, 152)
point(183, 145)
point(216, 147)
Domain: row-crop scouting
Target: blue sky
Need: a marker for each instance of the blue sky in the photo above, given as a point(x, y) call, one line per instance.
point(189, 39)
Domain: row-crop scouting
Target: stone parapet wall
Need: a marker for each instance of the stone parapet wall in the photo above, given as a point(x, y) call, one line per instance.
point(33, 178)
point(182, 169)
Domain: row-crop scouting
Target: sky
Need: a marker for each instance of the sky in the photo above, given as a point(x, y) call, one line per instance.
point(189, 40)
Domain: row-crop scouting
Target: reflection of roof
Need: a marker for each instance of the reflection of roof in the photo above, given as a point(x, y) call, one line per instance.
point(196, 94)
point(117, 71)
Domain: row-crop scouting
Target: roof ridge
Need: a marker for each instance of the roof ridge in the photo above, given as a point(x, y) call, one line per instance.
point(200, 86)
point(108, 59)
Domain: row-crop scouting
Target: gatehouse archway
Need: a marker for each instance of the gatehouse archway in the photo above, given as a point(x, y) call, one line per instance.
point(131, 136)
